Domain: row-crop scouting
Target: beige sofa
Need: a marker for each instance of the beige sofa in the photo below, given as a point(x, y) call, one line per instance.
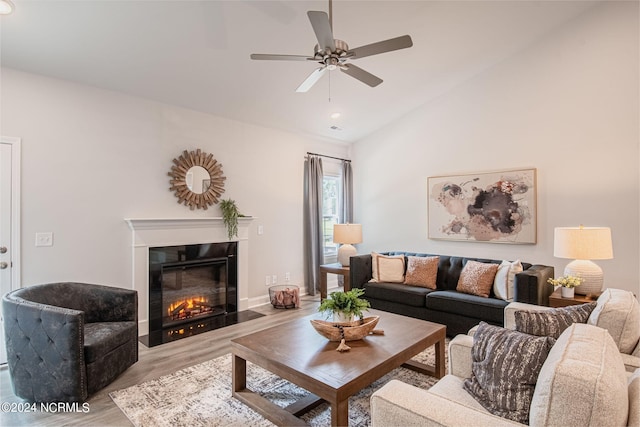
point(583, 382)
point(617, 311)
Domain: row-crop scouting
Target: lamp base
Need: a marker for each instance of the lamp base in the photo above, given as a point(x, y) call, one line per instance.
point(344, 253)
point(590, 272)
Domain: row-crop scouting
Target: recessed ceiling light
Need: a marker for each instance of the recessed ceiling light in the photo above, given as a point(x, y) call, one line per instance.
point(6, 7)
point(335, 115)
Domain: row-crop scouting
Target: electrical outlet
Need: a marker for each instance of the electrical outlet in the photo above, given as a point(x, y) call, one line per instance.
point(44, 239)
point(287, 277)
point(267, 281)
point(260, 230)
point(274, 279)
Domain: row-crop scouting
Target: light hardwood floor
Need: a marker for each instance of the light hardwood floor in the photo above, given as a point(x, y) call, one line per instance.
point(153, 363)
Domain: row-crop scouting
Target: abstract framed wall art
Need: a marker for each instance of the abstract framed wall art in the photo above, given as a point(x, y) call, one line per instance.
point(494, 207)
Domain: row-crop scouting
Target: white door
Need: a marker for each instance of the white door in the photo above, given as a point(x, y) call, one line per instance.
point(9, 223)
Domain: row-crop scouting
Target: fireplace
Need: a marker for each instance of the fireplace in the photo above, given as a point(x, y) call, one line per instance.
point(149, 233)
point(192, 289)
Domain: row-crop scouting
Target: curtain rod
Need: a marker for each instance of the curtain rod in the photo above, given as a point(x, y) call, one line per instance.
point(329, 157)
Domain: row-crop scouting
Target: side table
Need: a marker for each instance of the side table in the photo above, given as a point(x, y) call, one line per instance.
point(335, 268)
point(556, 300)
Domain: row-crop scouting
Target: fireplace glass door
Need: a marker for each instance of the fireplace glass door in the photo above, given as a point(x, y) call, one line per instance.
point(193, 290)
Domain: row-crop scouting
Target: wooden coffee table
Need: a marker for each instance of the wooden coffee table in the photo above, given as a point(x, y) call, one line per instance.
point(296, 352)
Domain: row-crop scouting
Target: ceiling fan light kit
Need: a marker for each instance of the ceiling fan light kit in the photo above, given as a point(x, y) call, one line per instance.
point(6, 7)
point(333, 54)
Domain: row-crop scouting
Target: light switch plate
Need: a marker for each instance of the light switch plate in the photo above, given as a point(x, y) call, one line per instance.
point(44, 239)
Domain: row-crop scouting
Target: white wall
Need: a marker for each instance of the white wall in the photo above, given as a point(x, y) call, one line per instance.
point(91, 158)
point(568, 106)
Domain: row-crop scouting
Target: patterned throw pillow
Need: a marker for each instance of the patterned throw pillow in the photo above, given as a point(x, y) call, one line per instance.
point(551, 323)
point(505, 368)
point(477, 278)
point(422, 271)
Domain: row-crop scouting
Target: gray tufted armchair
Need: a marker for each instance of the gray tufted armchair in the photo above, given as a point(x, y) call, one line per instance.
point(65, 341)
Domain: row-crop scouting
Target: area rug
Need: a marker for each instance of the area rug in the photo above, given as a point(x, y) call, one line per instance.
point(201, 396)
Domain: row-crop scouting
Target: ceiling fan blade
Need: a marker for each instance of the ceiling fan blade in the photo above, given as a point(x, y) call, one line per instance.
point(269, 57)
point(401, 42)
point(322, 28)
point(360, 74)
point(312, 79)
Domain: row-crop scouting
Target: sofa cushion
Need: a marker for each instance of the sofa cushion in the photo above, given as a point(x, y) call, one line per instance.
point(618, 312)
point(505, 366)
point(477, 278)
point(452, 387)
point(102, 337)
point(422, 271)
point(552, 322)
point(582, 382)
point(387, 268)
point(397, 292)
point(488, 309)
point(505, 278)
point(634, 399)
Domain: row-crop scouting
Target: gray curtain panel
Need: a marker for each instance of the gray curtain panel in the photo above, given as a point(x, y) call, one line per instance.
point(313, 252)
point(346, 202)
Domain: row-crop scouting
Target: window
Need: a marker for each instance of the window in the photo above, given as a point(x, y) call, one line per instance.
point(330, 215)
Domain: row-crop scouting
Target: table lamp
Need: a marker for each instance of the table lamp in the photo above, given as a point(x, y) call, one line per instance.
point(584, 244)
point(347, 235)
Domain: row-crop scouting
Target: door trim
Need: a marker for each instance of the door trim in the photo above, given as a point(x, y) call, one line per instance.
point(15, 209)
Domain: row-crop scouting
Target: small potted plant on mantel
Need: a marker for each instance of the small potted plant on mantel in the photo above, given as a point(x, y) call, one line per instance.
point(345, 306)
point(568, 284)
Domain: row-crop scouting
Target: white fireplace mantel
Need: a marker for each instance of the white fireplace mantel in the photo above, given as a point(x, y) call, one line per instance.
point(153, 232)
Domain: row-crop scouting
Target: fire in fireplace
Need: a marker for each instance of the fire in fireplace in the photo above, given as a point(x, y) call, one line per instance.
point(189, 308)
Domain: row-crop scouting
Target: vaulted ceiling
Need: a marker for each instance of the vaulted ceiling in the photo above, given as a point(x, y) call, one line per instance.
point(195, 54)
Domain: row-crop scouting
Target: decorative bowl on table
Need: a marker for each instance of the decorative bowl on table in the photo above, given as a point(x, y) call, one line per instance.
point(348, 331)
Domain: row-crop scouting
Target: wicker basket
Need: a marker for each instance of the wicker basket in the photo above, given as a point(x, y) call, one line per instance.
point(284, 296)
point(349, 331)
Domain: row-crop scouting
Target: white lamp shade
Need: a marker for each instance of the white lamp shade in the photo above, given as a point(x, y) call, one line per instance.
point(347, 233)
point(582, 243)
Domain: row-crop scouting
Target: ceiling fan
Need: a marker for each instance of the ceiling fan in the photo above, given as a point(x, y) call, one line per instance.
point(332, 53)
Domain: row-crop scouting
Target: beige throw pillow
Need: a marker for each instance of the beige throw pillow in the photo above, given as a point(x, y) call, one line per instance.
point(505, 278)
point(422, 271)
point(477, 278)
point(388, 269)
point(618, 312)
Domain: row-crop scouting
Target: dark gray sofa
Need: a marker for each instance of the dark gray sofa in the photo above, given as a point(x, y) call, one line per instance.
point(458, 311)
point(65, 341)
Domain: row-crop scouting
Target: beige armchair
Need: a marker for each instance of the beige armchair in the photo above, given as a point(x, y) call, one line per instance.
point(617, 311)
point(582, 383)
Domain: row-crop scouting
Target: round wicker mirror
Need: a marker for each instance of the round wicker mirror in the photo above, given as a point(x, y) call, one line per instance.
point(199, 194)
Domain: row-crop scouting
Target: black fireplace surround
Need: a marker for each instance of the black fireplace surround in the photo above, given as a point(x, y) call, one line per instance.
point(192, 289)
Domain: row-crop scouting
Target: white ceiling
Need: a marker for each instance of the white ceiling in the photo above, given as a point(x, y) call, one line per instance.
point(195, 54)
